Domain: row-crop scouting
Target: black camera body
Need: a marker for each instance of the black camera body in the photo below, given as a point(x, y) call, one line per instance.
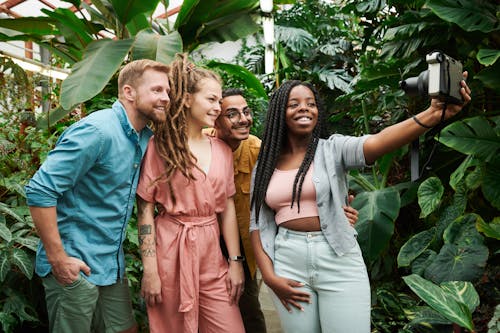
point(441, 80)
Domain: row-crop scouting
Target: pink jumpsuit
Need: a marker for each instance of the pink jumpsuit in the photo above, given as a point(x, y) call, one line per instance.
point(192, 268)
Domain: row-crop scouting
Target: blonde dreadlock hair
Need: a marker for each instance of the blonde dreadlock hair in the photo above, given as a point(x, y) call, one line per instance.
point(171, 136)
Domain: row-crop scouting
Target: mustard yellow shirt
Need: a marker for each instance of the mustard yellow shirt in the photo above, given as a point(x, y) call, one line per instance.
point(244, 159)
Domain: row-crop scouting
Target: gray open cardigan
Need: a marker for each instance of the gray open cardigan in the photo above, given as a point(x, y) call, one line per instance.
point(334, 157)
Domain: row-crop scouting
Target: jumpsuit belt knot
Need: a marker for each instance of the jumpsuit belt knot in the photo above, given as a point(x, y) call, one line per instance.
point(188, 257)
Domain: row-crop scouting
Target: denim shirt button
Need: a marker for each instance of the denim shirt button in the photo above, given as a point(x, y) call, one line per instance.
point(320, 204)
point(324, 226)
point(135, 165)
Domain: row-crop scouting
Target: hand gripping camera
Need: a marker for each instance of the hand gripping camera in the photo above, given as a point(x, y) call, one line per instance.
point(441, 80)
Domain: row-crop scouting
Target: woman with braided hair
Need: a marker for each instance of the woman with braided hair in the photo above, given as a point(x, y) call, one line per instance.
point(304, 246)
point(187, 176)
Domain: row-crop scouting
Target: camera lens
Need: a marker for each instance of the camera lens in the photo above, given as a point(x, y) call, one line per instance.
point(417, 85)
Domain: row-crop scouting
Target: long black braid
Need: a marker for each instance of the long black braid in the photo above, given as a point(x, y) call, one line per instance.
point(273, 140)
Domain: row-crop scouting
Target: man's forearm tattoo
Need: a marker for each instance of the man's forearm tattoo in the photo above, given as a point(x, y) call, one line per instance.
point(146, 243)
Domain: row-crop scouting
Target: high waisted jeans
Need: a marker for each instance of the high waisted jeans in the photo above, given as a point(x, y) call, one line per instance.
point(338, 285)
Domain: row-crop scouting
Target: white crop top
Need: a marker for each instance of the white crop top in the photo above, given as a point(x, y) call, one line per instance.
point(279, 196)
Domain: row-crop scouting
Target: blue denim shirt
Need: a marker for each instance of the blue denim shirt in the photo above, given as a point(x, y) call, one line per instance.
point(333, 158)
point(91, 177)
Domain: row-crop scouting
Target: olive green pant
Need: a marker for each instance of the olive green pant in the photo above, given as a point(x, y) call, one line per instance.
point(82, 307)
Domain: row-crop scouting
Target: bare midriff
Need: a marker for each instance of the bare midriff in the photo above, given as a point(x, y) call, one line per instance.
point(303, 224)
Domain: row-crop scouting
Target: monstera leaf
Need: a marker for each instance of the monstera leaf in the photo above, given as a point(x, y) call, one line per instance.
point(377, 211)
point(444, 300)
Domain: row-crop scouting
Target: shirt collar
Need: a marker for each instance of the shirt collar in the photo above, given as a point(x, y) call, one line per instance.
point(128, 129)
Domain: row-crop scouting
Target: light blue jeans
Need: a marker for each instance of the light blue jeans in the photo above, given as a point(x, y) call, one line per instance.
point(338, 285)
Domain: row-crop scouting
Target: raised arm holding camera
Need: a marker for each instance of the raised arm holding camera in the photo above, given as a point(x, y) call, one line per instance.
point(305, 249)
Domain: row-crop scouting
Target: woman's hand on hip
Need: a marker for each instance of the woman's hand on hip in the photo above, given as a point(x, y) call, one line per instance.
point(287, 292)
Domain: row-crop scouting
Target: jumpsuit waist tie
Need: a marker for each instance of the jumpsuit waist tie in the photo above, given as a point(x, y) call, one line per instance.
point(188, 257)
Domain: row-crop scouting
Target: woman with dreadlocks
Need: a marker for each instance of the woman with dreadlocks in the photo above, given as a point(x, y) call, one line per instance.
point(304, 246)
point(187, 283)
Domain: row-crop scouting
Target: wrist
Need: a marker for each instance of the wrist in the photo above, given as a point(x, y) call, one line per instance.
point(235, 259)
point(421, 124)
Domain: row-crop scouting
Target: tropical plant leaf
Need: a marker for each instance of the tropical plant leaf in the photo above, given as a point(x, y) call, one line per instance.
point(473, 136)
point(420, 264)
point(377, 212)
point(51, 117)
point(457, 263)
point(489, 76)
point(39, 26)
point(415, 246)
point(490, 184)
point(251, 81)
point(138, 23)
point(463, 231)
point(127, 10)
point(101, 61)
point(429, 195)
point(215, 20)
point(491, 229)
point(30, 242)
point(8, 211)
point(463, 292)
point(487, 57)
point(298, 40)
point(427, 317)
point(17, 303)
point(4, 265)
point(440, 300)
point(23, 262)
point(468, 15)
point(334, 78)
point(4, 231)
point(74, 29)
point(457, 176)
point(162, 48)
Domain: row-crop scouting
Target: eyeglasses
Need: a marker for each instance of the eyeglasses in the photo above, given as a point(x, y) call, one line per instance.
point(234, 115)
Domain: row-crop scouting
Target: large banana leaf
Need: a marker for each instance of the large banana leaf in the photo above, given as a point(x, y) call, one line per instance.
point(490, 185)
point(441, 300)
point(89, 76)
point(162, 48)
point(470, 15)
point(474, 136)
point(215, 20)
point(31, 25)
point(377, 212)
point(127, 10)
point(73, 29)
